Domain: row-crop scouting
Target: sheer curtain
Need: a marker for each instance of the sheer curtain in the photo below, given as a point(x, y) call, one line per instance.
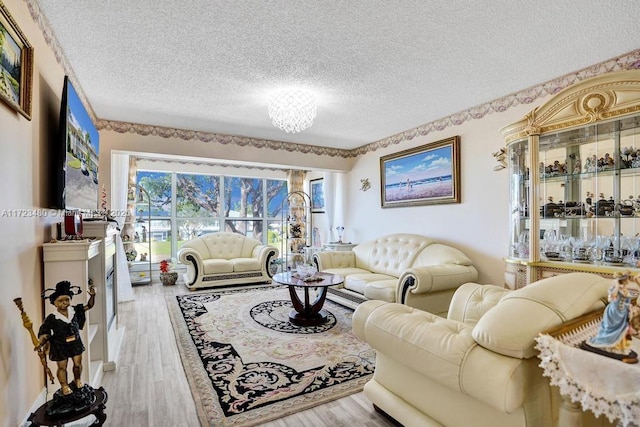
point(329, 189)
point(119, 187)
point(340, 198)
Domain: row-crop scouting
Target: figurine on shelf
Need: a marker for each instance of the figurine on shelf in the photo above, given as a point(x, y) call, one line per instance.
point(59, 334)
point(61, 331)
point(614, 335)
point(577, 167)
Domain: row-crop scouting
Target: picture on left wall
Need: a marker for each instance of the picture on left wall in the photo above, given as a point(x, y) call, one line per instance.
point(16, 65)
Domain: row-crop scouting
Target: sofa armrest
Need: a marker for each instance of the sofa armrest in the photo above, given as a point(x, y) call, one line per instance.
point(444, 351)
point(265, 253)
point(192, 259)
point(434, 346)
point(434, 278)
point(334, 259)
point(472, 300)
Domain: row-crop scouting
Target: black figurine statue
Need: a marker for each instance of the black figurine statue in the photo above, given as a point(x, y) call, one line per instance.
point(60, 333)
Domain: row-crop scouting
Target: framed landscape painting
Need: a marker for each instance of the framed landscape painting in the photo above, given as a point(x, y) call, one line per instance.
point(316, 192)
point(425, 175)
point(16, 65)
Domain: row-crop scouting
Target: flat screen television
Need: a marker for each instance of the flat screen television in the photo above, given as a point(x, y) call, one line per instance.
point(76, 156)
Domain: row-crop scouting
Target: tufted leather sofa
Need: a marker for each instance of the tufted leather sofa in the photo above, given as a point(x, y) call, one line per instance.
point(477, 367)
point(221, 259)
point(405, 268)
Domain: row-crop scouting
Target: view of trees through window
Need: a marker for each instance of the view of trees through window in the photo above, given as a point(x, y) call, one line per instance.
point(186, 206)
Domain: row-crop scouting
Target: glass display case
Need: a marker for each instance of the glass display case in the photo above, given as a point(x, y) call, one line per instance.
point(296, 228)
point(574, 182)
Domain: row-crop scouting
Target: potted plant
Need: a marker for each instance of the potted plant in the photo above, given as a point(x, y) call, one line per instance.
point(167, 275)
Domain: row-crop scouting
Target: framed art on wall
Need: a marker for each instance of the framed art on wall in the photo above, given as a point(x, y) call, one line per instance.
point(425, 175)
point(316, 191)
point(16, 65)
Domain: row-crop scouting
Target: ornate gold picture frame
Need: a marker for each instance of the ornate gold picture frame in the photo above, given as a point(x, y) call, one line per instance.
point(16, 65)
point(425, 175)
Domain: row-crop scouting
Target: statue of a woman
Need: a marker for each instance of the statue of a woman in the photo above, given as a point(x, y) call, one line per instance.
point(614, 335)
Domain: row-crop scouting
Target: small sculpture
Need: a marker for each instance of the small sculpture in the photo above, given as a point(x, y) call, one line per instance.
point(59, 334)
point(614, 335)
point(501, 158)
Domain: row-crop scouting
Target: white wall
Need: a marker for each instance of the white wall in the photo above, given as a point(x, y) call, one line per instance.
point(478, 225)
point(23, 227)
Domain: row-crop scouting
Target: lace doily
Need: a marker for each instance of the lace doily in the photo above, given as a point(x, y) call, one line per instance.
point(600, 384)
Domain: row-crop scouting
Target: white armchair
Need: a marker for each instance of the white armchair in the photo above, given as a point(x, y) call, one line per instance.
point(477, 367)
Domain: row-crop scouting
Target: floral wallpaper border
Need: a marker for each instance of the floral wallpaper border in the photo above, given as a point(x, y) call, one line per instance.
point(627, 61)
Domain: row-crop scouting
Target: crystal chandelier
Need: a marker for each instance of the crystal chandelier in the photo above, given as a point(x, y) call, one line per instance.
point(292, 110)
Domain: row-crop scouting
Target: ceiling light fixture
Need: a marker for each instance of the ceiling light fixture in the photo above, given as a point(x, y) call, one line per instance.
point(292, 110)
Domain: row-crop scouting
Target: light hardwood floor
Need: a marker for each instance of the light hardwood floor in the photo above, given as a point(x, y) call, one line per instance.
point(149, 387)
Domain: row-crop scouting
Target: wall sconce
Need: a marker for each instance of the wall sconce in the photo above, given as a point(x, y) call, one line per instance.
point(365, 184)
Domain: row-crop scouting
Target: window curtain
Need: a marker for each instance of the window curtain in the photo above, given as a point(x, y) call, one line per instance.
point(120, 168)
point(340, 198)
point(329, 190)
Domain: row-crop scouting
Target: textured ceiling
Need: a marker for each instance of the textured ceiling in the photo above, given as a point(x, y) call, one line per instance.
point(376, 67)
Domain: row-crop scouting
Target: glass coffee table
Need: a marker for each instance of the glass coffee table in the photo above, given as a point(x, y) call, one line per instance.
point(308, 313)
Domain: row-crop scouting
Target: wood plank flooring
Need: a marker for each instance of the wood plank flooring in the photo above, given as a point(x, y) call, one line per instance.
point(149, 387)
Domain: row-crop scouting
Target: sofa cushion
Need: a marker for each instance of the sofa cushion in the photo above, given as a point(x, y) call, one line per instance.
point(344, 272)
point(358, 282)
point(439, 254)
point(511, 326)
point(390, 255)
point(245, 264)
point(223, 246)
point(384, 290)
point(217, 266)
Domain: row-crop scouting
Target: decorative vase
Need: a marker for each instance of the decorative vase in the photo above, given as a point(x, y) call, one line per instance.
point(169, 278)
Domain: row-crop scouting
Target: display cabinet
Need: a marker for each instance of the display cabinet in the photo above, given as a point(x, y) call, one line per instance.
point(296, 228)
point(574, 182)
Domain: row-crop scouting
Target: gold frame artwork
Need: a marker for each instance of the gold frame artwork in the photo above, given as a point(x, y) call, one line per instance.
point(18, 95)
point(425, 175)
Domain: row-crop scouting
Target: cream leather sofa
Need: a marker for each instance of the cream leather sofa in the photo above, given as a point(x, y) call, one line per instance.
point(405, 268)
point(221, 259)
point(477, 367)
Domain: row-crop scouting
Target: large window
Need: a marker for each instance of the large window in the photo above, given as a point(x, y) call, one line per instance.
point(186, 206)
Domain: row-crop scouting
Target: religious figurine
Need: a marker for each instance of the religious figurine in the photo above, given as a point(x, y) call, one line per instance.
point(614, 334)
point(59, 334)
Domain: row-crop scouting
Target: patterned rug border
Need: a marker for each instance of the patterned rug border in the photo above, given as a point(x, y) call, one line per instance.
point(204, 396)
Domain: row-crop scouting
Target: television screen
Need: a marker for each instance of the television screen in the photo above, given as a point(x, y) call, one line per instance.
point(81, 139)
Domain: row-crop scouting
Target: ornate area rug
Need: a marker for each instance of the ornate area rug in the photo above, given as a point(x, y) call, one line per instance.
point(246, 364)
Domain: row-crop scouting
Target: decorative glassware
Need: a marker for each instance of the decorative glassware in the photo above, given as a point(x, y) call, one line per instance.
point(340, 230)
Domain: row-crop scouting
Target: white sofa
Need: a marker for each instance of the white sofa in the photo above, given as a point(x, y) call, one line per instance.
point(221, 259)
point(405, 268)
point(477, 367)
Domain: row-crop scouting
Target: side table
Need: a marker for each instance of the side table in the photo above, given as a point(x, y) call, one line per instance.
point(589, 381)
point(338, 246)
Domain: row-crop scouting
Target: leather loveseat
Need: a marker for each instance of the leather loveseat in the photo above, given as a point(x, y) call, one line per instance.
point(477, 367)
point(220, 259)
point(406, 268)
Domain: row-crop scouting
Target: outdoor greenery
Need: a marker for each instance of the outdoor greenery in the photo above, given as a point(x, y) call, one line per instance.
point(208, 203)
